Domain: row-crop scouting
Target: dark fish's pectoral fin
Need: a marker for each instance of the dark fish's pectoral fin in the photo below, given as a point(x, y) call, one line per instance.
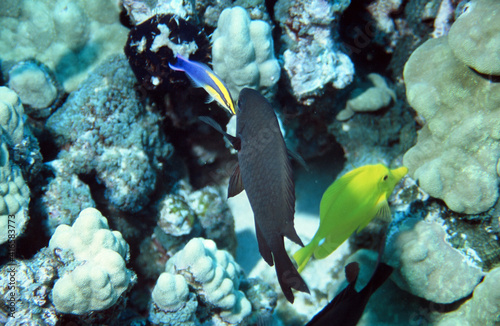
point(235, 183)
point(264, 249)
point(288, 276)
point(235, 141)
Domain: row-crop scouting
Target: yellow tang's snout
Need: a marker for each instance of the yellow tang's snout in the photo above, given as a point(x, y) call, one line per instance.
point(399, 173)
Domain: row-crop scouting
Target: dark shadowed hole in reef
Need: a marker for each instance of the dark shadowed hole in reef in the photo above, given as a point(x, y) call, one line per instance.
point(48, 147)
point(310, 185)
point(361, 40)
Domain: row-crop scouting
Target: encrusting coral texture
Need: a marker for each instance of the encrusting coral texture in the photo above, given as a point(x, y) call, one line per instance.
point(457, 154)
point(427, 265)
point(104, 127)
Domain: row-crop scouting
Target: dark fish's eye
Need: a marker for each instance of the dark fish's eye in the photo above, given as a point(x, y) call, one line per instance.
point(386, 177)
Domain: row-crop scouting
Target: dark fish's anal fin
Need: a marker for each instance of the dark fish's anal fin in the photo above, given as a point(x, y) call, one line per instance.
point(288, 276)
point(291, 234)
point(235, 141)
point(264, 249)
point(235, 183)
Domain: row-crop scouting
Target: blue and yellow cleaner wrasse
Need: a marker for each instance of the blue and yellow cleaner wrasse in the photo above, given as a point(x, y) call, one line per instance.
point(202, 76)
point(348, 205)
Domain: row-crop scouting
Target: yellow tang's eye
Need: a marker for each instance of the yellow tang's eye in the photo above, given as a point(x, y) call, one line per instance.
point(386, 177)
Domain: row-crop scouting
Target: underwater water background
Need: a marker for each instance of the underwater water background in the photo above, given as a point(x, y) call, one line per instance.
point(357, 140)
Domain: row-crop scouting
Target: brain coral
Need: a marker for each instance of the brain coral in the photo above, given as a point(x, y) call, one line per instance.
point(457, 154)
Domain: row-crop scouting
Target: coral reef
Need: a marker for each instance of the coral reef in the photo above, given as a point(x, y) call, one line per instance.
point(14, 192)
point(374, 98)
point(11, 115)
point(312, 59)
point(70, 37)
point(458, 149)
point(187, 213)
point(63, 200)
point(482, 308)
point(475, 36)
point(28, 298)
point(213, 277)
point(154, 43)
point(104, 127)
point(37, 87)
point(96, 276)
point(243, 53)
point(428, 266)
point(80, 272)
point(139, 10)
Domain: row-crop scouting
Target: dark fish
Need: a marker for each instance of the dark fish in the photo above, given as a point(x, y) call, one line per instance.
point(265, 172)
point(347, 307)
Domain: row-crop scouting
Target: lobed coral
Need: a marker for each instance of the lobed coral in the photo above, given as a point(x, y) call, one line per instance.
point(36, 86)
point(427, 266)
point(457, 154)
point(187, 213)
point(474, 37)
point(372, 99)
point(214, 276)
point(97, 277)
point(70, 37)
point(14, 192)
point(482, 309)
point(243, 53)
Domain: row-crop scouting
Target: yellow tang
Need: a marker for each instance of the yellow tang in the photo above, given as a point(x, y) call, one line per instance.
point(348, 205)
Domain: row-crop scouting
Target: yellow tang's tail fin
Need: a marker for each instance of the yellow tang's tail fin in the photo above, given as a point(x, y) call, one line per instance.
point(303, 255)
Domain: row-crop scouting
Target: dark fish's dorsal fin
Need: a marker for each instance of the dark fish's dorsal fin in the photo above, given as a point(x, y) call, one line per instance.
point(235, 183)
point(235, 141)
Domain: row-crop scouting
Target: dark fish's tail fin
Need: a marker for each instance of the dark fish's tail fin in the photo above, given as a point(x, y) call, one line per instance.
point(288, 276)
